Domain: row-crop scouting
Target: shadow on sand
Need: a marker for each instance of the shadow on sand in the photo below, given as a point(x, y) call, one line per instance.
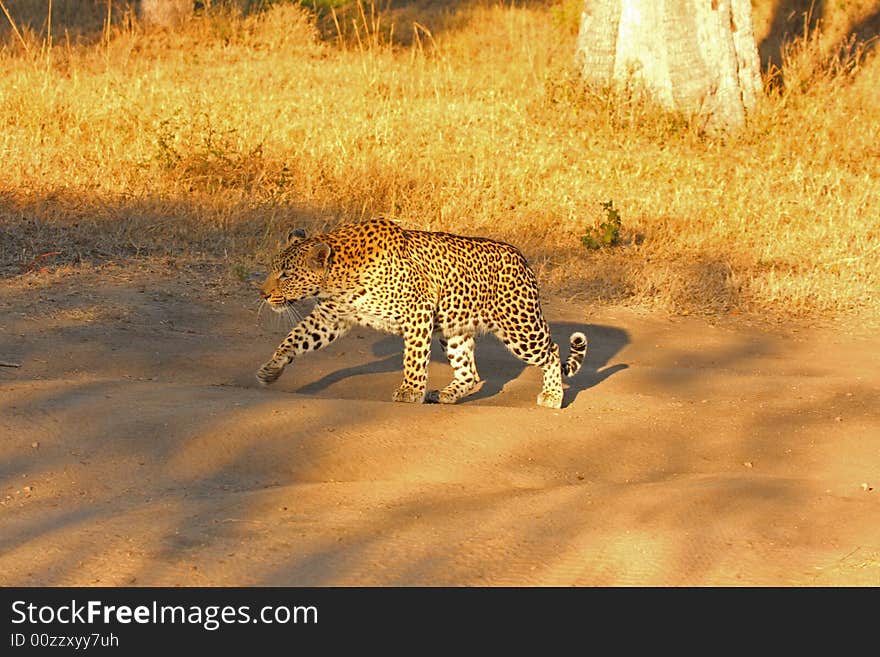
point(496, 365)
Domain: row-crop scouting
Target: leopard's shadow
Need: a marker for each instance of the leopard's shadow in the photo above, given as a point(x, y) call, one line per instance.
point(389, 350)
point(603, 343)
point(497, 366)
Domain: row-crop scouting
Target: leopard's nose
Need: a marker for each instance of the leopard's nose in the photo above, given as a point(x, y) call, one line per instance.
point(265, 294)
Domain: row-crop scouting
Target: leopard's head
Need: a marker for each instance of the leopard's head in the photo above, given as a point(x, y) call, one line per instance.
point(298, 271)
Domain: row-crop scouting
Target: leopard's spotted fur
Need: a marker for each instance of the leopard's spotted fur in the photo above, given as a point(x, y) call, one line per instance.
point(415, 283)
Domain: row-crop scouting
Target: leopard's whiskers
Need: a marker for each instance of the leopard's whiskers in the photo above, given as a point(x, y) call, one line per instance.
point(293, 314)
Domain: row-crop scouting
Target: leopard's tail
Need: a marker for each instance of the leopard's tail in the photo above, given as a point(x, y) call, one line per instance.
point(577, 351)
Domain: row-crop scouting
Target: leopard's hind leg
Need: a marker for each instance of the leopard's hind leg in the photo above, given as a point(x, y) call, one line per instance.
point(530, 341)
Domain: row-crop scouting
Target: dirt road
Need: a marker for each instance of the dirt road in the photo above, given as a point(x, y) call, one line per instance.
point(137, 449)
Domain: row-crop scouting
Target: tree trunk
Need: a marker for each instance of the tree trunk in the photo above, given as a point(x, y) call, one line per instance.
point(164, 13)
point(694, 56)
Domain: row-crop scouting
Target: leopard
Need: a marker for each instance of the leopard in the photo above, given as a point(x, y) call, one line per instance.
point(416, 284)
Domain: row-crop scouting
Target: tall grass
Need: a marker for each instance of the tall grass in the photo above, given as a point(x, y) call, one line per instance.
point(465, 117)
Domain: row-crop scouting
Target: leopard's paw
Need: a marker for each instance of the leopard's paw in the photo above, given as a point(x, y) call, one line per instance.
point(550, 398)
point(441, 397)
point(269, 372)
point(409, 395)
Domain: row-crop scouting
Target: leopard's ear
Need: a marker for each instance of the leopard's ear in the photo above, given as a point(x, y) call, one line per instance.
point(319, 256)
point(296, 235)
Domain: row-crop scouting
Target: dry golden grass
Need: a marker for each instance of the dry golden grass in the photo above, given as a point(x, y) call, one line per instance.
point(467, 117)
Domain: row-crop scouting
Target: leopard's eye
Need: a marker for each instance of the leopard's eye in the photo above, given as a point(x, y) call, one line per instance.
point(283, 276)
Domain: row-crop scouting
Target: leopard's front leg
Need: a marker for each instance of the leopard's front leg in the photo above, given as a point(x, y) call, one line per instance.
point(416, 354)
point(320, 328)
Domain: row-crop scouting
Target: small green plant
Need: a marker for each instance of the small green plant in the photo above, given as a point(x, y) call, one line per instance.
point(241, 272)
point(607, 233)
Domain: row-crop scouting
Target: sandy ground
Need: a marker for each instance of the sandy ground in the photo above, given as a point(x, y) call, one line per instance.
point(137, 449)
